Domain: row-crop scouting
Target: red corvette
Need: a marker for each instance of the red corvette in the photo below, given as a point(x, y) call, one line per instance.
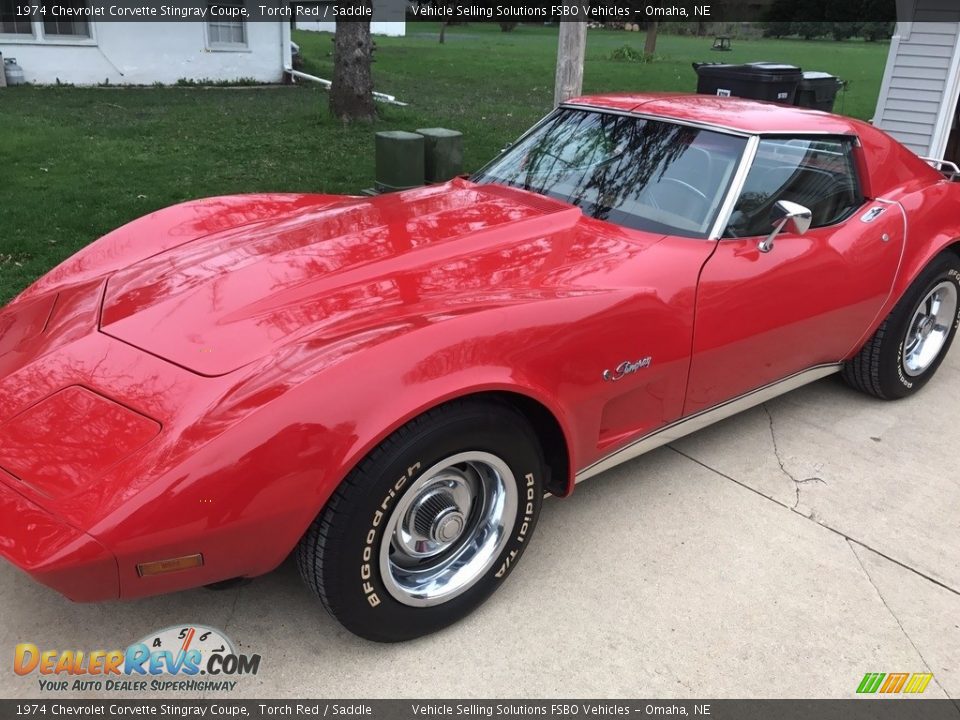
point(388, 386)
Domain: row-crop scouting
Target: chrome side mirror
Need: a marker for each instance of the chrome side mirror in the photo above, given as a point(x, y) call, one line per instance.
point(785, 214)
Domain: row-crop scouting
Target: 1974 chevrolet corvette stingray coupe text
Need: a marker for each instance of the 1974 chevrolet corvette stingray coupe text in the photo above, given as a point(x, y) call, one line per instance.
point(389, 386)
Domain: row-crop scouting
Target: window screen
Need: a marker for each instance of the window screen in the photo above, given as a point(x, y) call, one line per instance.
point(65, 26)
point(227, 32)
point(10, 22)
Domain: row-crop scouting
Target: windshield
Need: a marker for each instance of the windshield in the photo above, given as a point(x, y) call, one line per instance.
point(643, 174)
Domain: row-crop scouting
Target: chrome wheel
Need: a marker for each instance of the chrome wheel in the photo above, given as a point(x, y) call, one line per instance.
point(929, 328)
point(448, 529)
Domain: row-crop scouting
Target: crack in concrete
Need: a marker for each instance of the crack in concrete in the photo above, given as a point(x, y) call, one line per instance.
point(233, 609)
point(863, 567)
point(226, 623)
point(834, 530)
point(783, 468)
point(850, 542)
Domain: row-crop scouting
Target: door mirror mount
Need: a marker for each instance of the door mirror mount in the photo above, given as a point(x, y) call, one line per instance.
point(785, 214)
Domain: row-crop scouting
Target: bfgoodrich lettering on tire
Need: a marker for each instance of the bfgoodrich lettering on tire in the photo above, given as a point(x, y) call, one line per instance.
point(908, 347)
point(429, 524)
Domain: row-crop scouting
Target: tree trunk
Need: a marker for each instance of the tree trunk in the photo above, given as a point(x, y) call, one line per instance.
point(650, 46)
point(570, 49)
point(443, 31)
point(351, 94)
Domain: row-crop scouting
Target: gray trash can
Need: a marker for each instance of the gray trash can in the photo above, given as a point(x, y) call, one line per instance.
point(818, 90)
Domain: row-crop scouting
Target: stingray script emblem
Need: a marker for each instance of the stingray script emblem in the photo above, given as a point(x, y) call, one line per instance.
point(627, 367)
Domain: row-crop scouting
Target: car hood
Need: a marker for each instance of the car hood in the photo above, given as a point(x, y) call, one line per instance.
point(219, 302)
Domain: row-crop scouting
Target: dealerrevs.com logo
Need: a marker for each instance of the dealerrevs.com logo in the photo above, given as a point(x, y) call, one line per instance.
point(186, 658)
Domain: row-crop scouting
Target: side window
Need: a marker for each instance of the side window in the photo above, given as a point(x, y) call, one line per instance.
point(818, 173)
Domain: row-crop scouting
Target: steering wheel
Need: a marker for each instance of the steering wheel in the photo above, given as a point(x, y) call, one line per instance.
point(684, 187)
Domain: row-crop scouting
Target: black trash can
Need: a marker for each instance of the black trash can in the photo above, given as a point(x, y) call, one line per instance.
point(774, 82)
point(818, 90)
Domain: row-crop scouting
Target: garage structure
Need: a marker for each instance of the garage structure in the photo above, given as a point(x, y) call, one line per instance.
point(918, 102)
point(91, 52)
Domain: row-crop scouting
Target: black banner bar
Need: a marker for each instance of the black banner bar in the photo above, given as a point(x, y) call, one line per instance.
point(540, 11)
point(854, 709)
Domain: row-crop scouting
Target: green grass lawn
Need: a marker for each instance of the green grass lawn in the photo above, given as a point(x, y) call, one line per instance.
point(77, 162)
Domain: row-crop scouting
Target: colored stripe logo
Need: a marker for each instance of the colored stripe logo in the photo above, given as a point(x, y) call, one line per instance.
point(891, 683)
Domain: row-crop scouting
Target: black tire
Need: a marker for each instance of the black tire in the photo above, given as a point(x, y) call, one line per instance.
point(338, 557)
point(879, 369)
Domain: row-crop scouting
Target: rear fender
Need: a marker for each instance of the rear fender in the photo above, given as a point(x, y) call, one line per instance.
point(932, 228)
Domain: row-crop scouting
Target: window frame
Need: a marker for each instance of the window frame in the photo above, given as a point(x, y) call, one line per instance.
point(39, 35)
point(19, 36)
point(785, 136)
point(218, 45)
point(57, 36)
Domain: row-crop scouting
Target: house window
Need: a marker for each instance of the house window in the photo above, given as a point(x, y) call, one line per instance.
point(10, 22)
point(65, 26)
point(222, 30)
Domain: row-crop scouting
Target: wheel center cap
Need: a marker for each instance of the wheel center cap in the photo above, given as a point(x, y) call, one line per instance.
point(448, 526)
point(926, 326)
point(438, 518)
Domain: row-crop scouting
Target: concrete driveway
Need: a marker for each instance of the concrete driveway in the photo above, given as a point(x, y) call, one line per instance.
point(782, 553)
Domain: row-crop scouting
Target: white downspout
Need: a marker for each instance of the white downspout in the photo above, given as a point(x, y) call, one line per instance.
point(378, 96)
point(286, 52)
point(288, 68)
point(312, 78)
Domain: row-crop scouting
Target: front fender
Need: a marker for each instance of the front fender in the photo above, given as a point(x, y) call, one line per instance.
point(512, 350)
point(244, 499)
point(296, 426)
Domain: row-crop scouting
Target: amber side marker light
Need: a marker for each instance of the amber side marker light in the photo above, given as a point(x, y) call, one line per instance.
point(160, 567)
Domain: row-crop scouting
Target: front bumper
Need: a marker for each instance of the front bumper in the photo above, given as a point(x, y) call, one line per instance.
point(53, 553)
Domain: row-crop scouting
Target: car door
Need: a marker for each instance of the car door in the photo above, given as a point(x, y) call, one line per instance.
point(762, 316)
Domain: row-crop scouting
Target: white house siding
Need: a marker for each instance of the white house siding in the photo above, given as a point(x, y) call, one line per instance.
point(918, 94)
point(395, 29)
point(143, 53)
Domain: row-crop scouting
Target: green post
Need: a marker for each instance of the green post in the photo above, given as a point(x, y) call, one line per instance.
point(399, 160)
point(444, 153)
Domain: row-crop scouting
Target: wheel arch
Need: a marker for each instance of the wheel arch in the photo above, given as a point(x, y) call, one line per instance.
point(912, 268)
point(953, 246)
point(931, 230)
point(909, 270)
point(553, 440)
